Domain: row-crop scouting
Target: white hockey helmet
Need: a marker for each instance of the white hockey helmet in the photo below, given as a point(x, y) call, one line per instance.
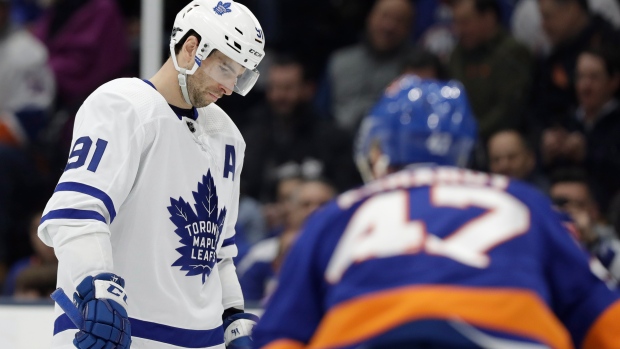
point(225, 26)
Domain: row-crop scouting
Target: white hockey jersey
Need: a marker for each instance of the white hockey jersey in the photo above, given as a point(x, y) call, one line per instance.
point(166, 189)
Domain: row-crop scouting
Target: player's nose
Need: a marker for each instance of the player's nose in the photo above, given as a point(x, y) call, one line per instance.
point(225, 90)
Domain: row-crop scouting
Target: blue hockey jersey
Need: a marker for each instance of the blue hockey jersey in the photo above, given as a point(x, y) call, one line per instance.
point(439, 257)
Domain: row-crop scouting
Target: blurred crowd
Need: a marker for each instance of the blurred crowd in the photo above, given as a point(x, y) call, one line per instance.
point(542, 76)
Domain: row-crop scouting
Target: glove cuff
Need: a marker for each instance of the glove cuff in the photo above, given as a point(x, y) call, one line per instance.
point(105, 289)
point(101, 286)
point(240, 326)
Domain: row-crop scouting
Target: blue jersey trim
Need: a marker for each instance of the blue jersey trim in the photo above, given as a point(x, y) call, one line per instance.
point(71, 213)
point(229, 241)
point(150, 84)
point(181, 112)
point(92, 191)
point(179, 337)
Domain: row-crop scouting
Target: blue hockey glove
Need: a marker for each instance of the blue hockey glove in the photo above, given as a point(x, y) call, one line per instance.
point(103, 303)
point(238, 329)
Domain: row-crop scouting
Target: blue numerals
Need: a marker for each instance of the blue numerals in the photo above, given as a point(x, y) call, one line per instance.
point(81, 148)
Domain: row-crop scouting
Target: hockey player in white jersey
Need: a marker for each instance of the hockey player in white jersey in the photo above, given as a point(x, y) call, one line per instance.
point(142, 220)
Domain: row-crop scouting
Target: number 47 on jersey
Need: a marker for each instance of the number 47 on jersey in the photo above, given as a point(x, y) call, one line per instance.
point(381, 228)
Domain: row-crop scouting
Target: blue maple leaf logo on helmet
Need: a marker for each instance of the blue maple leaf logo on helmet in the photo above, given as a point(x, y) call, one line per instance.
point(222, 8)
point(199, 230)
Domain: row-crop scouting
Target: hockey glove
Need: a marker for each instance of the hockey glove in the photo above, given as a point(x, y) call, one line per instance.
point(103, 303)
point(238, 329)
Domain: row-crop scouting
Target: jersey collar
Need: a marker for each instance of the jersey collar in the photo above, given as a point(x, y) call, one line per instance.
point(180, 112)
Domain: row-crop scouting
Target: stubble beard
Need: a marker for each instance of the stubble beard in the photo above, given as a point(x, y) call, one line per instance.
point(196, 96)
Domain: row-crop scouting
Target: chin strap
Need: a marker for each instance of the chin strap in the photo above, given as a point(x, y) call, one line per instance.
point(183, 84)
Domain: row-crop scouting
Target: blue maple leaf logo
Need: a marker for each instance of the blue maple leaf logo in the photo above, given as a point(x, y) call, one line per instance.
point(199, 230)
point(222, 8)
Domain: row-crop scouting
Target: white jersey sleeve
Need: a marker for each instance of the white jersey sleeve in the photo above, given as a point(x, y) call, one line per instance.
point(103, 161)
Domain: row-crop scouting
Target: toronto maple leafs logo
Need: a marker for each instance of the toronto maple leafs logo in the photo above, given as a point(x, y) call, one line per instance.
point(199, 230)
point(222, 8)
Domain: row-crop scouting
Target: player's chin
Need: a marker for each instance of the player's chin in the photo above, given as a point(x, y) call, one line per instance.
point(201, 102)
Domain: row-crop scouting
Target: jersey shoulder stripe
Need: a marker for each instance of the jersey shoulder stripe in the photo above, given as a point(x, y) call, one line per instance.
point(91, 191)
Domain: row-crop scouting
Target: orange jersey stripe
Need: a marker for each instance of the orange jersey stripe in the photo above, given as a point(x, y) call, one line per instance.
point(605, 332)
point(284, 344)
point(513, 311)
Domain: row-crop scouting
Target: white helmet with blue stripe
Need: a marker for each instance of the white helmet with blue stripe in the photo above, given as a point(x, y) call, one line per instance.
point(225, 26)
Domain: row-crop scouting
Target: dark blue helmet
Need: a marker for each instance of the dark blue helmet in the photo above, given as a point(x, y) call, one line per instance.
point(417, 121)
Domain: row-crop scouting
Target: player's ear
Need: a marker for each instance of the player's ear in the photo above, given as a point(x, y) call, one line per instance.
point(188, 52)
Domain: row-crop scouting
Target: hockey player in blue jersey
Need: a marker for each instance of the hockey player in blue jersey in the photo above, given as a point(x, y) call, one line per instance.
point(143, 217)
point(431, 255)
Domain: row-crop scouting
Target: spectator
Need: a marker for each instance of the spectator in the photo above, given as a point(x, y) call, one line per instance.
point(526, 23)
point(26, 84)
point(494, 68)
point(570, 29)
point(571, 193)
point(286, 134)
point(510, 154)
point(434, 27)
point(357, 75)
point(26, 92)
point(590, 134)
point(43, 256)
point(257, 270)
point(277, 212)
point(88, 46)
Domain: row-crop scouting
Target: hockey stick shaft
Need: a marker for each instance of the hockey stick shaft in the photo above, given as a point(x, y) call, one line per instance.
point(68, 307)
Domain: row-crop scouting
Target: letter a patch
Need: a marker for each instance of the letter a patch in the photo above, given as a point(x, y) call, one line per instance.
point(229, 161)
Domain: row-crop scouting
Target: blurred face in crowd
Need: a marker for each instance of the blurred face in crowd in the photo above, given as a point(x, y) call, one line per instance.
point(472, 28)
point(309, 196)
point(509, 156)
point(285, 88)
point(277, 213)
point(594, 85)
point(389, 23)
point(286, 188)
point(575, 199)
point(561, 21)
